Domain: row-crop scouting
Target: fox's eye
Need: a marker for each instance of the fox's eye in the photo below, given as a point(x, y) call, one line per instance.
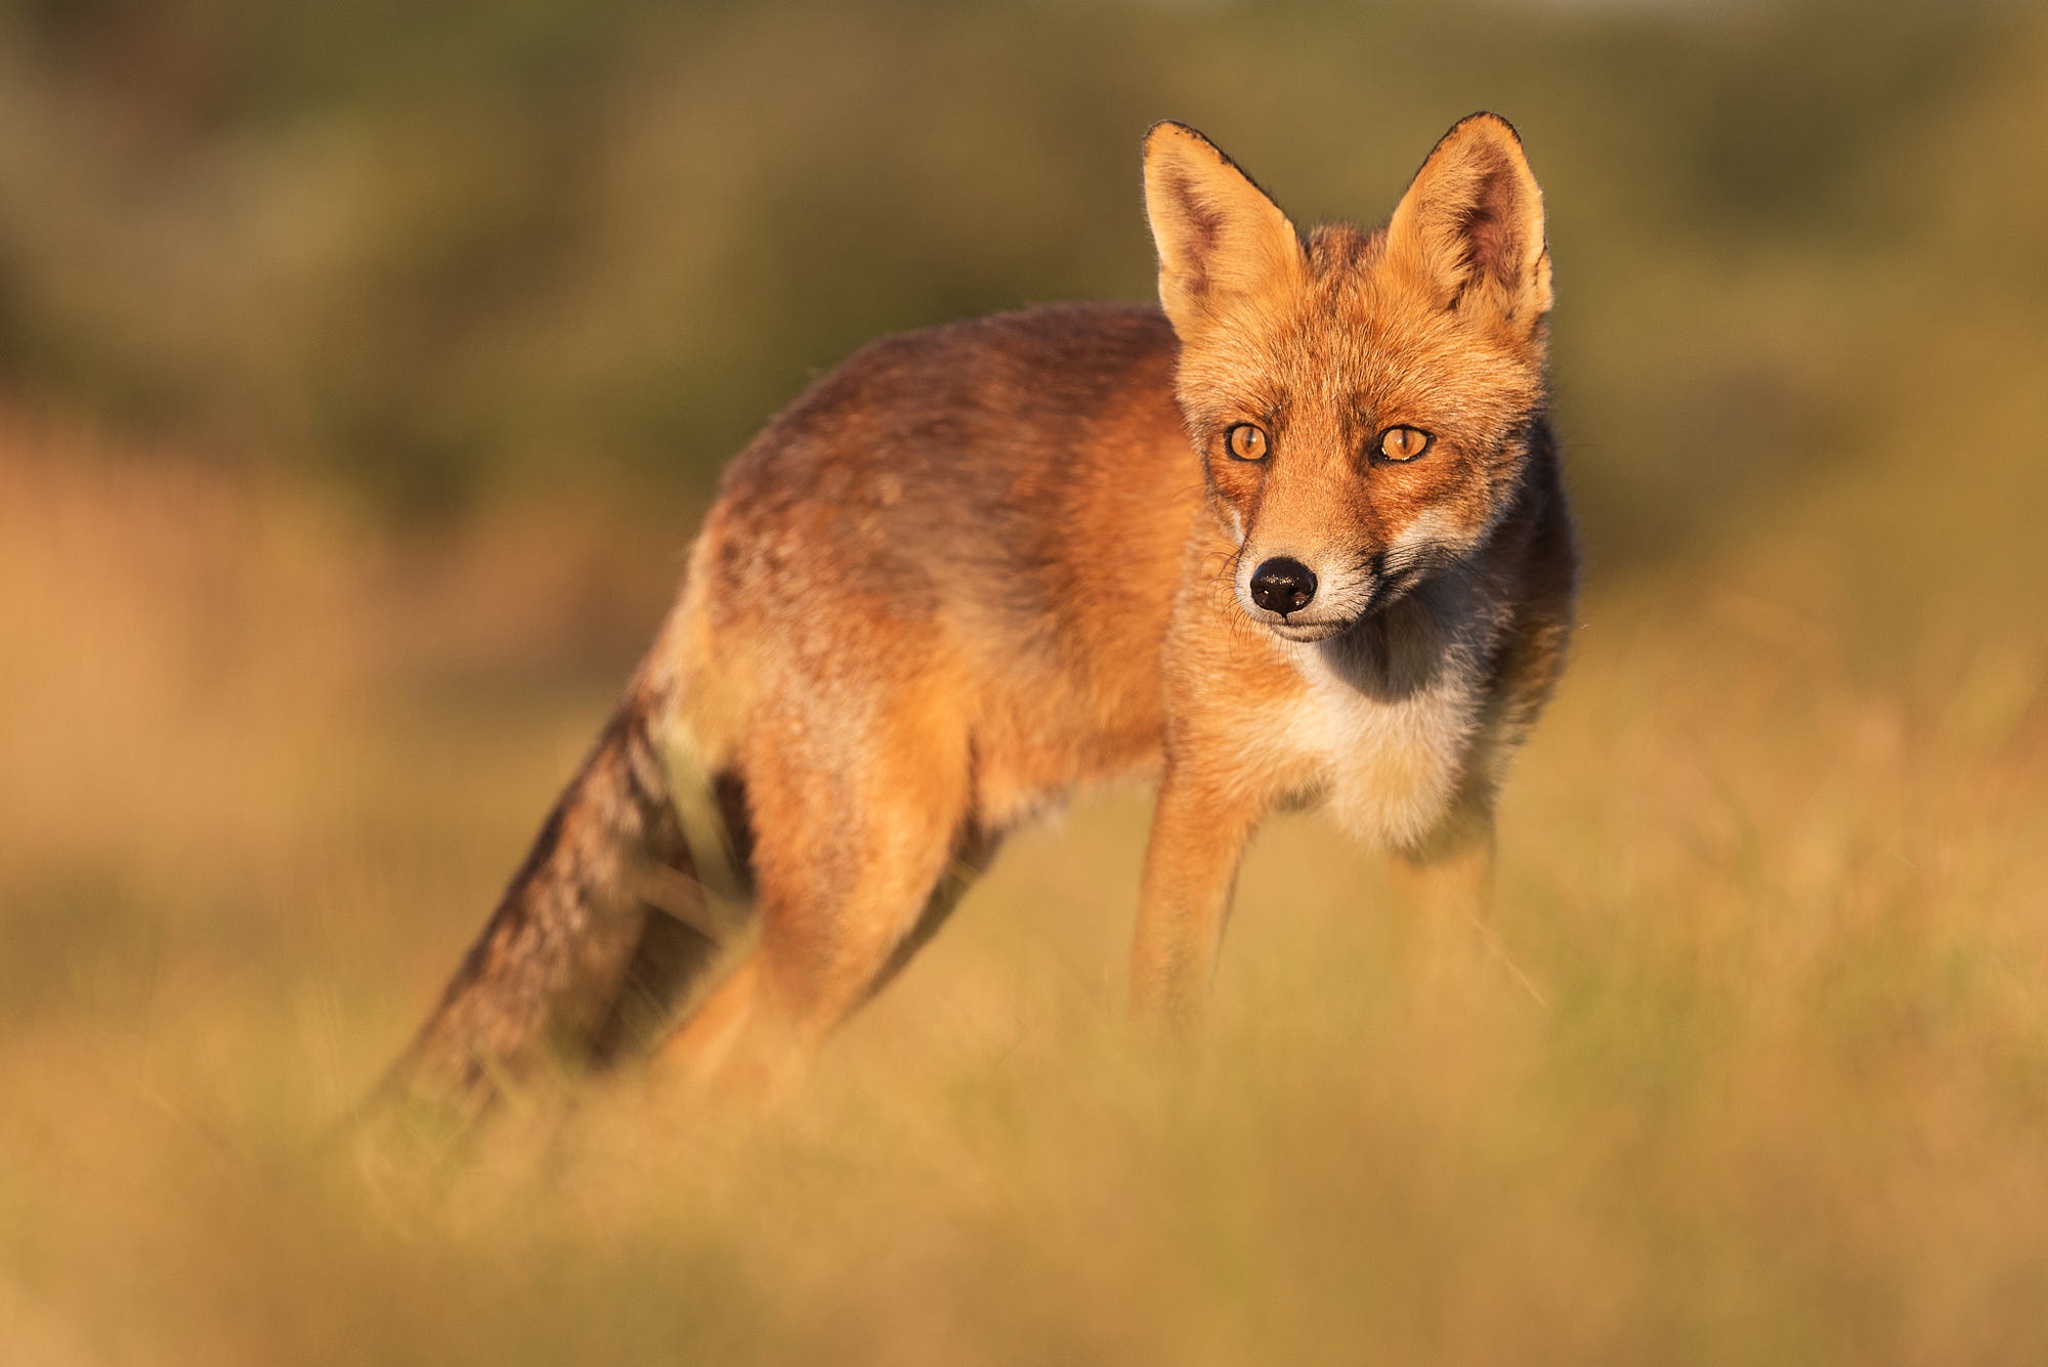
point(1247, 442)
point(1403, 443)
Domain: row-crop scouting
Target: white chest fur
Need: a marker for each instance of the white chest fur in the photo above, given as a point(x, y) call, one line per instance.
point(1395, 706)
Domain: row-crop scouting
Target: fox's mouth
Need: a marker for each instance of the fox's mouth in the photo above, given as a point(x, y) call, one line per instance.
point(1305, 632)
point(1383, 593)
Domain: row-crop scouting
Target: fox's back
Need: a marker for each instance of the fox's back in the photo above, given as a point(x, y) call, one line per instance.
point(993, 512)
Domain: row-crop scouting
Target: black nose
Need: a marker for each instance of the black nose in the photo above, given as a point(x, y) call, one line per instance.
point(1283, 586)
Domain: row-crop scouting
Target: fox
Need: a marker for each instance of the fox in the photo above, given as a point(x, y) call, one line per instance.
point(1296, 536)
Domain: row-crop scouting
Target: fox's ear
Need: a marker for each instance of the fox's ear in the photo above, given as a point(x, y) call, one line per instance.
point(1220, 238)
point(1469, 232)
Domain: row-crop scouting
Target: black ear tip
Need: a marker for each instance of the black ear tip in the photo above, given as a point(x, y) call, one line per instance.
point(1488, 118)
point(1173, 129)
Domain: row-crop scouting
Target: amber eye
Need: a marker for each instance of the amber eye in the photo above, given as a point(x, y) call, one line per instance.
point(1403, 443)
point(1247, 442)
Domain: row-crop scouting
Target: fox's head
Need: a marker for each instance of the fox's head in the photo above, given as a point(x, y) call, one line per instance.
point(1364, 403)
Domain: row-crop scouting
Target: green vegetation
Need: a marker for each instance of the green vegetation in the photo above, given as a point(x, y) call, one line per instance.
point(439, 248)
point(362, 369)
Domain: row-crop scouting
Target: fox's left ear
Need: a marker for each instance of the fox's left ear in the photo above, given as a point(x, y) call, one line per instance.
point(1222, 241)
point(1470, 229)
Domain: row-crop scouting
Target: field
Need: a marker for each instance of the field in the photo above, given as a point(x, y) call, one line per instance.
point(1751, 1065)
point(1774, 866)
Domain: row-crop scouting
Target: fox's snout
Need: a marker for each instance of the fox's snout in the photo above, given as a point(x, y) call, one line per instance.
point(1306, 597)
point(1283, 585)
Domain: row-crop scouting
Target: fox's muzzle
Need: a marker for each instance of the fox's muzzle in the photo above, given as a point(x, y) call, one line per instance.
point(1291, 600)
point(1283, 585)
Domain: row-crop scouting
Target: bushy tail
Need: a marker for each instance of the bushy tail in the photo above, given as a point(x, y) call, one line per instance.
point(603, 928)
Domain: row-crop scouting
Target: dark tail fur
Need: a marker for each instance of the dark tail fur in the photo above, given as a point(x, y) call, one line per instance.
point(602, 930)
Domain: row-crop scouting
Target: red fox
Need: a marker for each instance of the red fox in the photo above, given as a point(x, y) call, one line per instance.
point(1298, 535)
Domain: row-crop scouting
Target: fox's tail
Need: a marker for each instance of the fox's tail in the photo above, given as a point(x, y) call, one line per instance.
point(604, 927)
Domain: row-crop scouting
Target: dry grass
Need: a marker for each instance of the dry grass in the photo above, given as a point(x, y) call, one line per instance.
point(1776, 861)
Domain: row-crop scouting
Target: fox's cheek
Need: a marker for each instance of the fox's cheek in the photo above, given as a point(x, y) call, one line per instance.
point(1233, 513)
point(1238, 484)
point(1233, 524)
point(1235, 507)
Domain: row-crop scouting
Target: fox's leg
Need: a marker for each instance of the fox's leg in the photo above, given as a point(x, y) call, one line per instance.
point(852, 868)
point(1444, 887)
point(1448, 875)
point(1199, 831)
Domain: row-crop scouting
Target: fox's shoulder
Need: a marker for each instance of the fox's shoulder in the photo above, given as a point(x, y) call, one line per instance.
point(1023, 413)
point(1077, 357)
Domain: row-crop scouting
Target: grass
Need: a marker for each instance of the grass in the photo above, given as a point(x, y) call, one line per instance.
point(1775, 861)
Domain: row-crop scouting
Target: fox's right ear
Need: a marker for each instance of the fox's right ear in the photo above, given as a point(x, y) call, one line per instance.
point(1221, 240)
point(1469, 232)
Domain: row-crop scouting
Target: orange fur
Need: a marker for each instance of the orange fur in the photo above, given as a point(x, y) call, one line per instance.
point(975, 567)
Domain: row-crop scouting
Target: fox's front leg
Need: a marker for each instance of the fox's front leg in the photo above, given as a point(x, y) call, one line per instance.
point(1445, 890)
point(1448, 877)
point(1199, 832)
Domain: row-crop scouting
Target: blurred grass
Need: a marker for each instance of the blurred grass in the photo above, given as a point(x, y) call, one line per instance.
point(1775, 861)
point(433, 250)
point(1776, 858)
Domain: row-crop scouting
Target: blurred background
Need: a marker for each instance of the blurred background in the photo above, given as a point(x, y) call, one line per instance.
point(364, 370)
point(435, 254)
